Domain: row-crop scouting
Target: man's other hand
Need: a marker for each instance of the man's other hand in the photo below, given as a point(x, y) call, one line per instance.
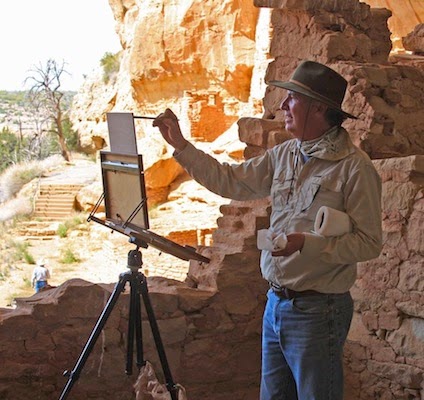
point(295, 242)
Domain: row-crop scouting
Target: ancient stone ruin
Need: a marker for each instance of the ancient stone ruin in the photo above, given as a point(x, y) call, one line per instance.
point(211, 322)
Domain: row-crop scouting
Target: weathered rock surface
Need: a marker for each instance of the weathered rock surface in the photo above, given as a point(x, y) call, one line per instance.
point(205, 64)
point(192, 56)
point(387, 99)
point(405, 16)
point(414, 41)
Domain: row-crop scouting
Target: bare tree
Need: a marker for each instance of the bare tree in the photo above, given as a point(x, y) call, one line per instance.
point(44, 93)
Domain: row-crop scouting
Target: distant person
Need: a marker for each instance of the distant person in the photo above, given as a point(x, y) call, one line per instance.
point(40, 275)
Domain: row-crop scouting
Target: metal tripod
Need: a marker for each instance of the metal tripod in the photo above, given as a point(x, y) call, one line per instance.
point(138, 286)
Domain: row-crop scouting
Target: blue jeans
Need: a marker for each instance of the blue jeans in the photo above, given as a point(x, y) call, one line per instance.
point(302, 347)
point(39, 285)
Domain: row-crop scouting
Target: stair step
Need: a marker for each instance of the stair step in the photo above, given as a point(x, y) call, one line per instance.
point(37, 233)
point(56, 201)
point(54, 204)
point(54, 216)
point(38, 237)
point(56, 195)
point(59, 190)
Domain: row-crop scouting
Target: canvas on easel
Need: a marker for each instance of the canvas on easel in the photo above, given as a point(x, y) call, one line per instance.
point(124, 192)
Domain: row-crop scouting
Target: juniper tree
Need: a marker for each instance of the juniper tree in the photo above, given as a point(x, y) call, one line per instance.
point(45, 94)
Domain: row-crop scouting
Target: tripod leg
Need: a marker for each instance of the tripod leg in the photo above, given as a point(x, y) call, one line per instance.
point(138, 331)
point(134, 326)
point(75, 373)
point(172, 388)
point(130, 339)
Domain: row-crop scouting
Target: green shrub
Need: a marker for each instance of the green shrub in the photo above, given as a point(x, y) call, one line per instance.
point(110, 63)
point(69, 257)
point(71, 138)
point(27, 175)
point(78, 220)
point(68, 225)
point(12, 97)
point(29, 259)
point(62, 230)
point(22, 253)
point(10, 148)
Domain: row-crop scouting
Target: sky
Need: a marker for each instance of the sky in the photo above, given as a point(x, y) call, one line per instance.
point(78, 32)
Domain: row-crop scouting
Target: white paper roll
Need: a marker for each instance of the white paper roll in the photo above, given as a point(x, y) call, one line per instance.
point(331, 222)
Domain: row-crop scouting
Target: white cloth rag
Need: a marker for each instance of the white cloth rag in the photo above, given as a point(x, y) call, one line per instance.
point(268, 240)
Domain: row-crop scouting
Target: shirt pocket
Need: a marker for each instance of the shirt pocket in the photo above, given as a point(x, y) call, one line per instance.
point(309, 193)
point(321, 191)
point(280, 192)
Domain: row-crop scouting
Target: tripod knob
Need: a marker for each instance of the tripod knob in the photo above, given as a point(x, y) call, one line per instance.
point(134, 259)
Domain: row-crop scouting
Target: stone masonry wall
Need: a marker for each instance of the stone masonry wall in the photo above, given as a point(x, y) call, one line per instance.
point(385, 349)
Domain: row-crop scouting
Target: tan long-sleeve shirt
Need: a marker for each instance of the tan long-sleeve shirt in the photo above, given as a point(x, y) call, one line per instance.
point(342, 177)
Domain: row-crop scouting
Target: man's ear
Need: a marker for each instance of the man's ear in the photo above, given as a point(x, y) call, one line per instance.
point(320, 107)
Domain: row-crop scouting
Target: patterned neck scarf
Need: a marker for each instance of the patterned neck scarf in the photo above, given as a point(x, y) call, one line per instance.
point(331, 146)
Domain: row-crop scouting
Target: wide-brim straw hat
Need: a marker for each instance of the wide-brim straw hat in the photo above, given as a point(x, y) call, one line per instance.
point(318, 82)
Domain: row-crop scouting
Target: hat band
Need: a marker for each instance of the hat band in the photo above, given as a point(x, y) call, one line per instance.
point(326, 99)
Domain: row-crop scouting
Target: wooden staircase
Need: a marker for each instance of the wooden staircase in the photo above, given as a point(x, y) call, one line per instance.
point(55, 201)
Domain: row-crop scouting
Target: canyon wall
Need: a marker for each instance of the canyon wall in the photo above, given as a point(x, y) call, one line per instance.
point(210, 324)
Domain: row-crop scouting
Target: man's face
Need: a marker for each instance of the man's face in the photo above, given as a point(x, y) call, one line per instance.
point(296, 107)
